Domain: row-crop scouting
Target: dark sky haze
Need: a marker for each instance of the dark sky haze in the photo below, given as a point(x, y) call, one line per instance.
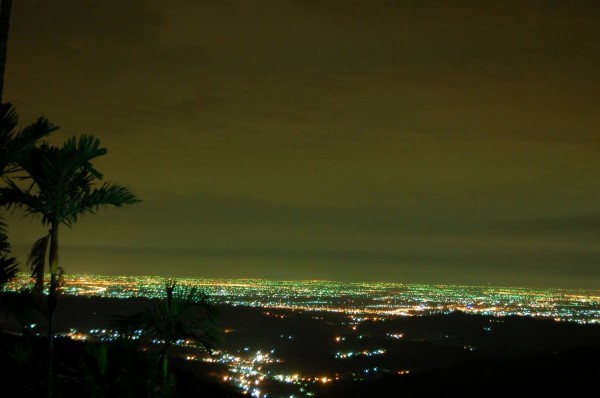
point(401, 141)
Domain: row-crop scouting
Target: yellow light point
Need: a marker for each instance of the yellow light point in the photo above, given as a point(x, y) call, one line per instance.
point(338, 339)
point(324, 380)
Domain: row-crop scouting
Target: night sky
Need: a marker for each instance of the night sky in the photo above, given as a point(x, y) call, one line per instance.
point(421, 141)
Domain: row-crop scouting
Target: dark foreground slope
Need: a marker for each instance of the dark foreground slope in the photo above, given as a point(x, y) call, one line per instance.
point(570, 373)
point(510, 356)
point(445, 355)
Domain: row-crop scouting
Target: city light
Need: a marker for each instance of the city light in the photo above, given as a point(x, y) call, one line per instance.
point(252, 370)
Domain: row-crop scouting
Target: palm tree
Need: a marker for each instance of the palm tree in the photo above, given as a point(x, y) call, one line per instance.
point(13, 143)
point(115, 369)
point(60, 188)
point(183, 314)
point(8, 265)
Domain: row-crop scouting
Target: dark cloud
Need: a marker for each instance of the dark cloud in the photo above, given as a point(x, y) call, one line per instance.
point(428, 140)
point(580, 224)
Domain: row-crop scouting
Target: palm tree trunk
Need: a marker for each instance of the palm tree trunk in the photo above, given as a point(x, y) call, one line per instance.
point(4, 23)
point(164, 373)
point(53, 260)
point(170, 286)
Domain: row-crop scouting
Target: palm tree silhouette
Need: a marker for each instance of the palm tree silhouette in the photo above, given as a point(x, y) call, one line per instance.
point(13, 143)
point(8, 265)
point(183, 314)
point(60, 187)
point(115, 369)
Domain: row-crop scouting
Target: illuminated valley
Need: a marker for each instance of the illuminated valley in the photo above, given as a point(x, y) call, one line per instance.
point(299, 338)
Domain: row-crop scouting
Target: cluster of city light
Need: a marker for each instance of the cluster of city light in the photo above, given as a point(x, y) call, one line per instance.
point(245, 372)
point(95, 334)
point(248, 370)
point(366, 353)
point(396, 336)
point(371, 299)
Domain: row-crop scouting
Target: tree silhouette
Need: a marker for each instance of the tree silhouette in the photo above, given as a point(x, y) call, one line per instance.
point(115, 369)
point(8, 265)
point(183, 314)
point(13, 144)
point(58, 184)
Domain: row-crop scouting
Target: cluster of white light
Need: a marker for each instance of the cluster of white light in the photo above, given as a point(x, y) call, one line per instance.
point(366, 353)
point(246, 372)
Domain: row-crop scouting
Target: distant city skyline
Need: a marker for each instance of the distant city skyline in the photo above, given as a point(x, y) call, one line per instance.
point(357, 299)
point(425, 142)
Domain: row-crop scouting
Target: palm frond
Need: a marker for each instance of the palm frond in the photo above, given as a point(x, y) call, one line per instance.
point(8, 265)
point(110, 194)
point(100, 353)
point(14, 144)
point(187, 314)
point(35, 131)
point(91, 201)
point(14, 196)
point(4, 244)
point(2, 229)
point(8, 121)
point(37, 260)
point(63, 179)
point(127, 325)
point(27, 137)
point(8, 269)
point(115, 369)
point(82, 152)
